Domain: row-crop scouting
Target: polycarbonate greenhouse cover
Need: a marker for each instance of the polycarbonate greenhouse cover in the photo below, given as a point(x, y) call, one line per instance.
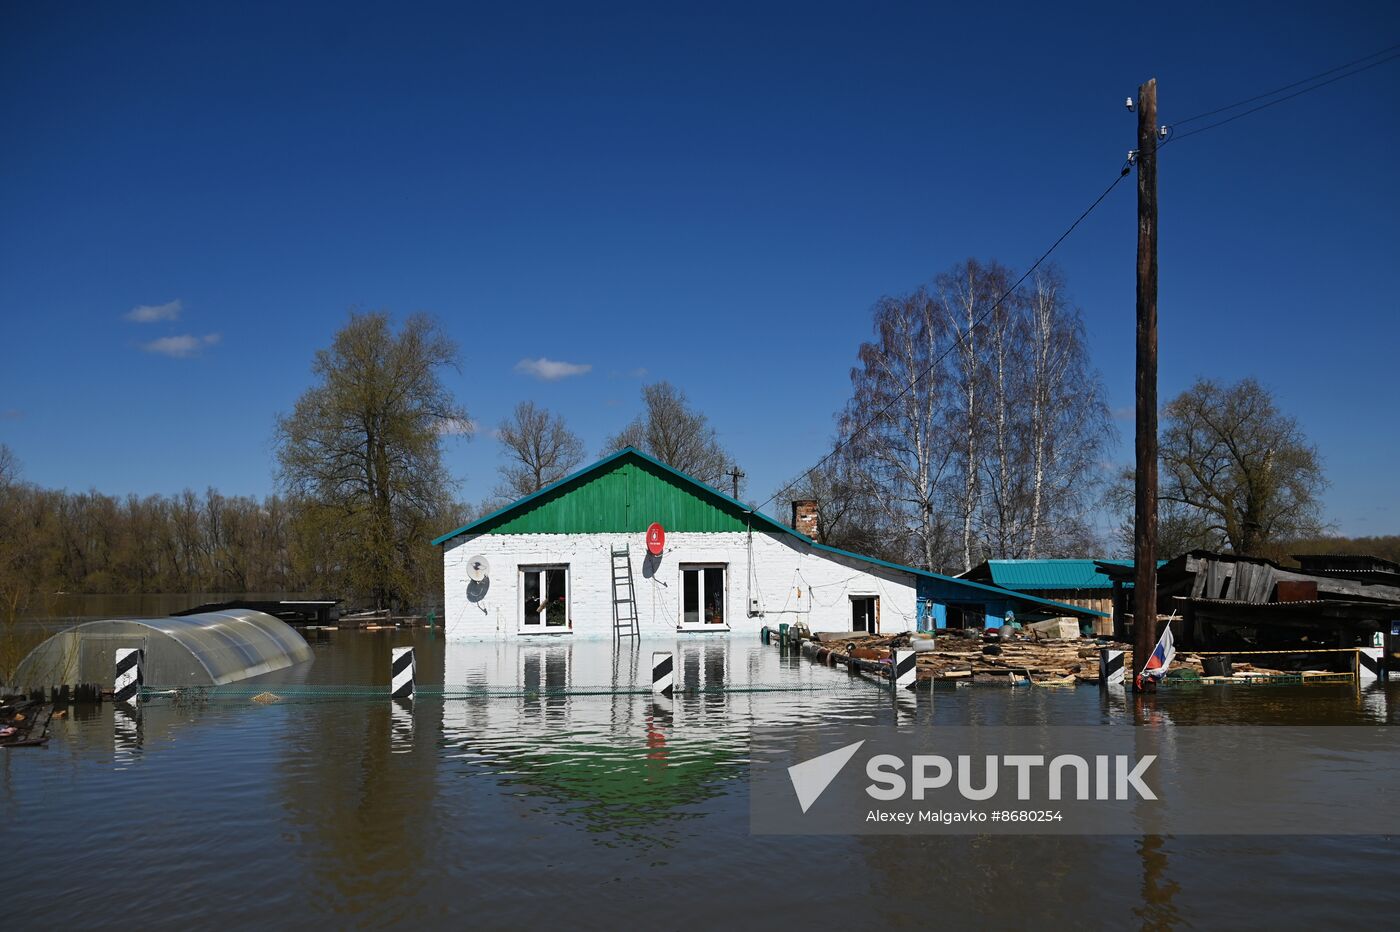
point(218, 647)
point(236, 644)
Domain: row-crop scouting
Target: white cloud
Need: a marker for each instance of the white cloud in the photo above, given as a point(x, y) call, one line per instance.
point(457, 427)
point(551, 370)
point(151, 313)
point(182, 346)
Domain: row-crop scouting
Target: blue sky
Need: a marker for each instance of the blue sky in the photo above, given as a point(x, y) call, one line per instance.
point(712, 194)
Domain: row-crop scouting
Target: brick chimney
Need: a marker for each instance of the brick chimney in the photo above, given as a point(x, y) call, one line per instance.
point(804, 517)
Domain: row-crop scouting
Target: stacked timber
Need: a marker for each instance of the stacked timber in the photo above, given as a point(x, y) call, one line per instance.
point(999, 658)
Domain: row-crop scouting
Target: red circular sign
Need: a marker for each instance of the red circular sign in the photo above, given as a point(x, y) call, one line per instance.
point(656, 539)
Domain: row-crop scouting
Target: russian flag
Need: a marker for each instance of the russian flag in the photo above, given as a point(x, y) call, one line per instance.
point(1161, 658)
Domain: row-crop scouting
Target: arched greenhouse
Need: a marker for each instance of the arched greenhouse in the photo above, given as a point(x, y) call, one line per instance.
point(208, 649)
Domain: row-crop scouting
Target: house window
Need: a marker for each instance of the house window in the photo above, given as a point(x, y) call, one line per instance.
point(865, 613)
point(544, 594)
point(702, 594)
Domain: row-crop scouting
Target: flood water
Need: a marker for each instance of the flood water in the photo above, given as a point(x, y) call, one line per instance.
point(578, 801)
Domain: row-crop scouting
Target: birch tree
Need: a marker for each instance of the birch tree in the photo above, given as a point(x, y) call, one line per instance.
point(968, 293)
point(1067, 423)
point(979, 418)
point(896, 422)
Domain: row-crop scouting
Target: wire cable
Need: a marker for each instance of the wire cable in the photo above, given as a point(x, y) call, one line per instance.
point(1286, 87)
point(1173, 136)
point(860, 429)
point(1391, 53)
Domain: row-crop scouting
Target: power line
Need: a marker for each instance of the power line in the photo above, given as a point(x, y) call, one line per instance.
point(846, 441)
point(1286, 87)
point(1313, 83)
point(1391, 54)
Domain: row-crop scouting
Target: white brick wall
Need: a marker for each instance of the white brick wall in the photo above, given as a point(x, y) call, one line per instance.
point(792, 582)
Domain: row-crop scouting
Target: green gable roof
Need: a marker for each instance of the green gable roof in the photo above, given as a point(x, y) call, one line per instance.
point(623, 493)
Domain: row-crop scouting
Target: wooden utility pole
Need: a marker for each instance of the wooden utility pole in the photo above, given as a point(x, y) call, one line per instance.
point(1145, 511)
point(734, 477)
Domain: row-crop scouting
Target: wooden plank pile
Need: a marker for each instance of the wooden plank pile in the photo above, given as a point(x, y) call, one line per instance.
point(1006, 661)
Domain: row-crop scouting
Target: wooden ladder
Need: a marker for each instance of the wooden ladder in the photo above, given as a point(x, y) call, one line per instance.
point(624, 596)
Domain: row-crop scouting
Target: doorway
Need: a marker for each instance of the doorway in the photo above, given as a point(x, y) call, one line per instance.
point(865, 613)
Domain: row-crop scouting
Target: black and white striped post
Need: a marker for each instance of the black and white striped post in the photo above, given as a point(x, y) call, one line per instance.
point(127, 686)
point(663, 673)
point(1110, 667)
point(1368, 664)
point(905, 669)
point(401, 673)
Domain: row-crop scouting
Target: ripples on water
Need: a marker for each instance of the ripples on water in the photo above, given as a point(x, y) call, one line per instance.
point(578, 799)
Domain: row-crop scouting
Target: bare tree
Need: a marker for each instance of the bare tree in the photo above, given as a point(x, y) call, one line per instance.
point(1244, 468)
point(539, 449)
point(967, 294)
point(1066, 424)
point(1179, 528)
point(896, 422)
point(849, 515)
point(670, 430)
point(978, 419)
point(9, 467)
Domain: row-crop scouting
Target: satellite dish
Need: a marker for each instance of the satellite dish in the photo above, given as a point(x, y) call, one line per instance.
point(477, 568)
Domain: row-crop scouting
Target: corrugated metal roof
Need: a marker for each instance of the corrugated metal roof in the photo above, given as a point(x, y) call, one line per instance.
point(1051, 574)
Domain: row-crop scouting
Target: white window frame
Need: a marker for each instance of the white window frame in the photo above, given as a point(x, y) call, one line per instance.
point(541, 627)
point(681, 623)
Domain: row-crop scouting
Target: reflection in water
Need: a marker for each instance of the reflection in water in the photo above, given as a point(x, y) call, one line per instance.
point(609, 757)
point(1157, 909)
point(574, 795)
point(126, 735)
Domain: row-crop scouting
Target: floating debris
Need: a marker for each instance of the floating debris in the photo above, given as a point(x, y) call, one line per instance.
point(267, 697)
point(24, 722)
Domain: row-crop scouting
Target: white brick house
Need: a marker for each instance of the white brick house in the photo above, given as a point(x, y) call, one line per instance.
point(724, 568)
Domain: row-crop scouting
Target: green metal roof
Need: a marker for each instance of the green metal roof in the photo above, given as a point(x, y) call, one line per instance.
point(1047, 574)
point(627, 491)
point(1051, 574)
point(621, 493)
